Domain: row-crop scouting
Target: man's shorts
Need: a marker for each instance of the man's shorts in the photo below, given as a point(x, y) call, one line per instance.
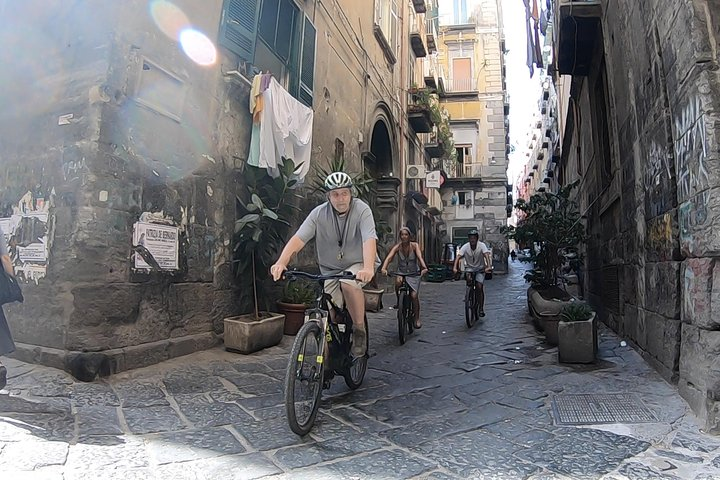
point(479, 275)
point(332, 287)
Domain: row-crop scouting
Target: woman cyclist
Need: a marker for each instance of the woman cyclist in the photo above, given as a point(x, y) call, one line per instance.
point(410, 260)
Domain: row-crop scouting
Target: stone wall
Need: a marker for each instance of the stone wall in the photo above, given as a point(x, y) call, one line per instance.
point(145, 130)
point(653, 212)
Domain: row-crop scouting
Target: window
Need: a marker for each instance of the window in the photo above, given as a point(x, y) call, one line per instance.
point(461, 71)
point(339, 150)
point(602, 140)
point(460, 15)
point(275, 37)
point(464, 154)
point(386, 20)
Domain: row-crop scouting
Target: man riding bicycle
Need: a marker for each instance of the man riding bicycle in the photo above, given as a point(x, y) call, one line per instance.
point(478, 261)
point(345, 240)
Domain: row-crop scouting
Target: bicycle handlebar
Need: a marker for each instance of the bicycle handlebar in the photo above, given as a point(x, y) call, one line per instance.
point(401, 274)
point(291, 274)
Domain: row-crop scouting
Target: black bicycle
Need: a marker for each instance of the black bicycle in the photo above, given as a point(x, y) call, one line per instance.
point(472, 306)
point(406, 309)
point(321, 350)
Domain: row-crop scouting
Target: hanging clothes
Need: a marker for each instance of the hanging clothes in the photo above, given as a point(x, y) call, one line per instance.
point(284, 131)
point(530, 50)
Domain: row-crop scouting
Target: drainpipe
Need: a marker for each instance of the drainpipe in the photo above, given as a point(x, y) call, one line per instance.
point(403, 113)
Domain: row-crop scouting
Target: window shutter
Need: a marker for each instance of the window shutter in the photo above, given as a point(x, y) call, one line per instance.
point(239, 27)
point(307, 64)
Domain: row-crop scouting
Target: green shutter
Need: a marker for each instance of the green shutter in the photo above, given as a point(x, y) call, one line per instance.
point(239, 27)
point(307, 64)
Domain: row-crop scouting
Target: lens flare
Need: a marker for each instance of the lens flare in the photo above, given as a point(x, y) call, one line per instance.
point(198, 47)
point(169, 18)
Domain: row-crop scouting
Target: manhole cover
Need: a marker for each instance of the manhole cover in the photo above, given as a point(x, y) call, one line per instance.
point(586, 409)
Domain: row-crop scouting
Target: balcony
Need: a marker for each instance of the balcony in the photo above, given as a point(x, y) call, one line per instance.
point(577, 34)
point(457, 85)
point(418, 44)
point(454, 169)
point(435, 148)
point(419, 6)
point(430, 69)
point(430, 35)
point(419, 115)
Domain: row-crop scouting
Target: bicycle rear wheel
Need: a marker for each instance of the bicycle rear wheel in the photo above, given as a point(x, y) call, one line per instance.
point(304, 377)
point(401, 319)
point(355, 373)
point(470, 315)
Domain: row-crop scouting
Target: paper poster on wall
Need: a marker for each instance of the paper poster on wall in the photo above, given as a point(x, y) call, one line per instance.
point(25, 233)
point(163, 243)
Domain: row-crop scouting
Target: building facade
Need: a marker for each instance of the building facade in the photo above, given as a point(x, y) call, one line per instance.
point(119, 116)
point(638, 91)
point(475, 192)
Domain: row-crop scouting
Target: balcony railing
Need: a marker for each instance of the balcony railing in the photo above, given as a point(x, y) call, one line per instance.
point(455, 169)
point(461, 85)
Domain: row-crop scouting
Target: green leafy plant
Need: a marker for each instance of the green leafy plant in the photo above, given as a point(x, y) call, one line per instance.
point(299, 292)
point(552, 225)
point(265, 208)
point(576, 312)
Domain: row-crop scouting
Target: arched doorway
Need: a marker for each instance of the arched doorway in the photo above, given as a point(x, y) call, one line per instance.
point(380, 163)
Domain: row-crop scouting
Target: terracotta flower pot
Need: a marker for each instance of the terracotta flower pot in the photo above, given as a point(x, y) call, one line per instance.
point(294, 316)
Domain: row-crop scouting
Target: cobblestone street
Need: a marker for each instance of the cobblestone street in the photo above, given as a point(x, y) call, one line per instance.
point(450, 403)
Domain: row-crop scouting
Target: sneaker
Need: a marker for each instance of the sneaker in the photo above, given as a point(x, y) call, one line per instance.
point(359, 345)
point(3, 376)
point(481, 313)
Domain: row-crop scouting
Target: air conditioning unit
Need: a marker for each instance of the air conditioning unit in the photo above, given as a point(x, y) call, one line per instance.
point(415, 171)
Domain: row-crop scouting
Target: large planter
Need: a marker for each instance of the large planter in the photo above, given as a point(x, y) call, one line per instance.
point(245, 334)
point(294, 316)
point(373, 299)
point(577, 341)
point(545, 310)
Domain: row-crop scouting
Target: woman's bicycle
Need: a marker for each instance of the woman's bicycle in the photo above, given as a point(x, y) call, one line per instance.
point(321, 350)
point(406, 309)
point(472, 306)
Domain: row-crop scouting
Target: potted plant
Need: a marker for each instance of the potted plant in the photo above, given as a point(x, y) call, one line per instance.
point(297, 296)
point(265, 208)
point(552, 228)
point(577, 334)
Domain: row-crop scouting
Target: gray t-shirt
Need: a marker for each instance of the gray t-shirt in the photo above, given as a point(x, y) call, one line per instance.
point(3, 245)
point(474, 259)
point(329, 229)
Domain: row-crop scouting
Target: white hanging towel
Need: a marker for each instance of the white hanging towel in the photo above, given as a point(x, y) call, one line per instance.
point(285, 131)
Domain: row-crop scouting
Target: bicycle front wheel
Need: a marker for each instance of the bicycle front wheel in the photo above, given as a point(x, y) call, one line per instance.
point(303, 378)
point(470, 307)
point(355, 373)
point(401, 319)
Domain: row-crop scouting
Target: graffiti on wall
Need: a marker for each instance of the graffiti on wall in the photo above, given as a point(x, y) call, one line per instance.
point(693, 215)
point(26, 235)
point(691, 150)
point(660, 236)
point(658, 175)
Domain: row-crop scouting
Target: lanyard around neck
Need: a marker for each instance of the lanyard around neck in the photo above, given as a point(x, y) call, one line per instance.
point(341, 236)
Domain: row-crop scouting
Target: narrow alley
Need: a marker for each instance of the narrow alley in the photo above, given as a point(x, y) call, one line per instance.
point(450, 403)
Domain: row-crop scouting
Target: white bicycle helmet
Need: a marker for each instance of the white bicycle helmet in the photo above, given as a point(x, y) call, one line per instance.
point(338, 180)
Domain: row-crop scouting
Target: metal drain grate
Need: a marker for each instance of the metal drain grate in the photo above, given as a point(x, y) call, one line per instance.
point(588, 409)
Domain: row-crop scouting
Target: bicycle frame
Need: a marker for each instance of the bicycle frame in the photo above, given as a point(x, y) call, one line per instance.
point(322, 315)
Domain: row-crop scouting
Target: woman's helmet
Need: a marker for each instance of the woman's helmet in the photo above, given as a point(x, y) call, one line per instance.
point(338, 180)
